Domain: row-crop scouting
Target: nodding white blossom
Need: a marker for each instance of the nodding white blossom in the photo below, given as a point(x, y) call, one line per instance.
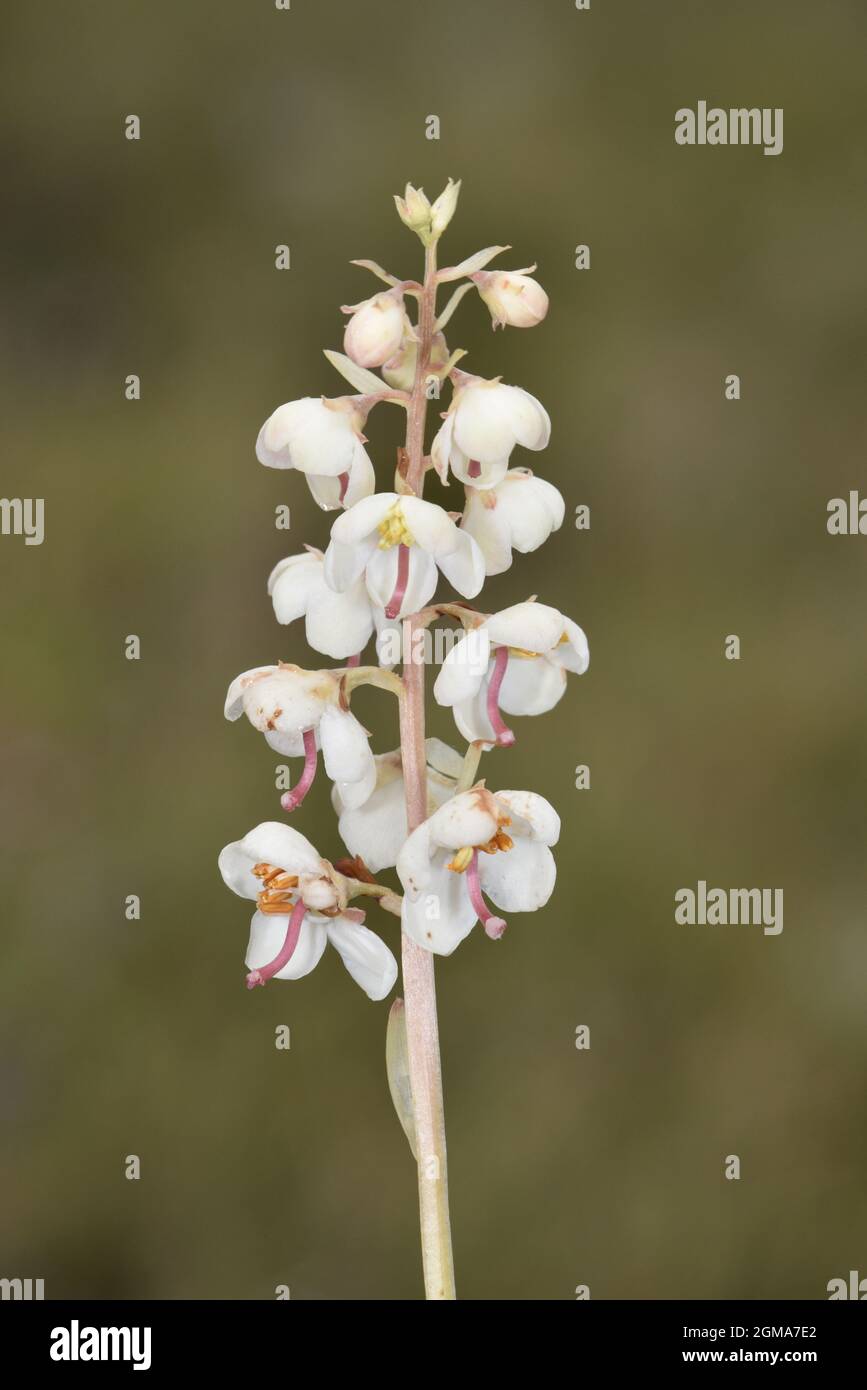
point(339, 625)
point(512, 296)
point(377, 830)
point(477, 843)
point(484, 422)
point(397, 542)
point(300, 907)
point(516, 660)
point(300, 712)
point(376, 329)
point(518, 513)
point(323, 439)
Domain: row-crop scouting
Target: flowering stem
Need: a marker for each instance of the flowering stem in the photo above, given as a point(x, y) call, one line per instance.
point(418, 964)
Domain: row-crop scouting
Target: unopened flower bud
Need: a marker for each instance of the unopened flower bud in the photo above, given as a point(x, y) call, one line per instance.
point(414, 209)
point(444, 207)
point(512, 297)
point(374, 332)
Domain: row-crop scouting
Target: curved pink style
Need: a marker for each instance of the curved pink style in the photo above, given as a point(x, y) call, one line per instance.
point(494, 926)
point(474, 468)
point(290, 801)
point(286, 952)
point(504, 734)
point(343, 479)
point(393, 606)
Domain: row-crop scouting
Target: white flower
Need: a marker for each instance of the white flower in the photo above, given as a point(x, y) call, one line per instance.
point(512, 297)
point(516, 660)
point(299, 910)
point(463, 850)
point(322, 439)
point(397, 542)
point(399, 370)
point(339, 625)
point(518, 513)
point(443, 209)
point(300, 712)
point(376, 329)
point(377, 830)
point(484, 423)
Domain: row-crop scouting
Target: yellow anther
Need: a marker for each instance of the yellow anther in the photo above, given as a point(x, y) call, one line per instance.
point(393, 529)
point(522, 652)
point(462, 859)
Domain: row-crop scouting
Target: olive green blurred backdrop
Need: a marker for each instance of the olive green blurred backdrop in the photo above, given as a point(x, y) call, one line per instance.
point(260, 127)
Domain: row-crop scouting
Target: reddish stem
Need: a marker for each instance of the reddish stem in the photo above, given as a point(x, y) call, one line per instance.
point(494, 926)
point(290, 801)
point(287, 950)
point(504, 734)
point(394, 603)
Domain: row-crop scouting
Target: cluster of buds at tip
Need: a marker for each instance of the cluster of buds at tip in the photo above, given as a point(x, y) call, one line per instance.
point(428, 220)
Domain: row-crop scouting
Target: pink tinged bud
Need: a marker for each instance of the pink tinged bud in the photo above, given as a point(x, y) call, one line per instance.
point(290, 801)
point(512, 297)
point(286, 952)
point(494, 926)
point(375, 331)
point(505, 736)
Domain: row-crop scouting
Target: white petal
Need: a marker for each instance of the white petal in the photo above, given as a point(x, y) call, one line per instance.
point(532, 507)
point(471, 717)
point(532, 626)
point(531, 686)
point(377, 830)
point(291, 582)
point(368, 960)
point(441, 447)
point(574, 654)
point(234, 706)
point(345, 564)
point(288, 700)
point(267, 934)
point(443, 758)
point(362, 483)
point(272, 842)
point(536, 811)
point(339, 625)
point(464, 668)
point(467, 819)
point(414, 862)
point(347, 756)
point(308, 435)
point(441, 918)
point(484, 428)
point(361, 521)
point(490, 529)
point(430, 526)
point(519, 879)
point(530, 419)
point(465, 567)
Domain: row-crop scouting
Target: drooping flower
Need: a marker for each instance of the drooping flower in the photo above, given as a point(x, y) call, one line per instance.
point(339, 625)
point(519, 513)
point(477, 843)
point(512, 296)
point(397, 542)
point(484, 422)
point(376, 328)
point(299, 909)
point(300, 712)
point(516, 660)
point(377, 830)
point(399, 370)
point(323, 439)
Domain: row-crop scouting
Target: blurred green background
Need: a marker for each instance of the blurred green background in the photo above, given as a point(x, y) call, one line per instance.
point(604, 1167)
